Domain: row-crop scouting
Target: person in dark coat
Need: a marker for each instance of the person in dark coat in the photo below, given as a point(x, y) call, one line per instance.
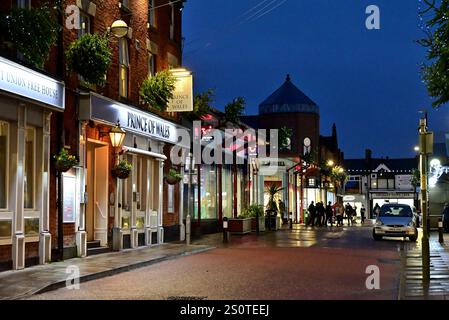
point(321, 211)
point(329, 214)
point(312, 214)
point(348, 213)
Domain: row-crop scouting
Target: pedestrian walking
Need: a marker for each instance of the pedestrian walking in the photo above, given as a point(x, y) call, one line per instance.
point(354, 215)
point(312, 215)
point(329, 214)
point(321, 211)
point(339, 214)
point(348, 213)
point(376, 210)
point(362, 213)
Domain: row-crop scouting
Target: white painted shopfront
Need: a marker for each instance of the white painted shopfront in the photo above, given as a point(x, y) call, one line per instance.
point(135, 204)
point(27, 100)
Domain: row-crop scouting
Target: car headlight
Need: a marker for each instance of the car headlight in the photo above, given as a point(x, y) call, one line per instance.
point(411, 224)
point(379, 223)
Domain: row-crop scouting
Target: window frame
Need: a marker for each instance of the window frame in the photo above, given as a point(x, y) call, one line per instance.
point(34, 168)
point(21, 4)
point(151, 64)
point(8, 141)
point(123, 66)
point(88, 28)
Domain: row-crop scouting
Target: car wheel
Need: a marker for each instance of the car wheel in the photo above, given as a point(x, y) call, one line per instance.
point(413, 238)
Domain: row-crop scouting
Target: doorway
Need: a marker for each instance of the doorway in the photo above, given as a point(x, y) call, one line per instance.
point(97, 189)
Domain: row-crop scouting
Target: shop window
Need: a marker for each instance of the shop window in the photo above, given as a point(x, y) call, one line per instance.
point(29, 168)
point(4, 165)
point(124, 68)
point(151, 13)
point(5, 229)
point(227, 191)
point(382, 184)
point(208, 192)
point(31, 227)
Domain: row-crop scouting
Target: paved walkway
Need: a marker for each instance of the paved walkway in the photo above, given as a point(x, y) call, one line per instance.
point(23, 283)
point(412, 286)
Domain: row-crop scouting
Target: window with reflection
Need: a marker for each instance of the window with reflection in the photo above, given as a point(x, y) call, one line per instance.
point(29, 168)
point(208, 192)
point(227, 191)
point(3, 164)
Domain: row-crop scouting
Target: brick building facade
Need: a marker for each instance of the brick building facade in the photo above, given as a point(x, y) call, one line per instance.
point(154, 43)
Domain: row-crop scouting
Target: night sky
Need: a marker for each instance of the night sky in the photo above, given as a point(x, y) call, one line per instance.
point(367, 82)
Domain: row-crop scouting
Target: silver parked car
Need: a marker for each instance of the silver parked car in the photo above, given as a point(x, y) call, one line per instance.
point(396, 220)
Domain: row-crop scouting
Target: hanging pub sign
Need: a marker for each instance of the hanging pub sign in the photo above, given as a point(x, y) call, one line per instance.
point(183, 95)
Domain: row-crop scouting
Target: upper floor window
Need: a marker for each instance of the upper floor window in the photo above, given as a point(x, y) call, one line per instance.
point(125, 3)
point(151, 13)
point(124, 68)
point(85, 24)
point(172, 21)
point(24, 3)
point(151, 64)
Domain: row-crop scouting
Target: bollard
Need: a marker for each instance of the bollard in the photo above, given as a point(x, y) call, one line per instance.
point(225, 230)
point(188, 226)
point(291, 220)
point(440, 231)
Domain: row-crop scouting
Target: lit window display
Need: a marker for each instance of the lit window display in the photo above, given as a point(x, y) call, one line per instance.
point(28, 173)
point(208, 192)
point(227, 191)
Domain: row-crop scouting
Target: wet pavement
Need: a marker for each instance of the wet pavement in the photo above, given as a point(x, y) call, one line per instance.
point(23, 283)
point(299, 264)
point(412, 285)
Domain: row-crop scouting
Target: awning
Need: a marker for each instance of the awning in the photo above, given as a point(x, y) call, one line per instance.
point(145, 153)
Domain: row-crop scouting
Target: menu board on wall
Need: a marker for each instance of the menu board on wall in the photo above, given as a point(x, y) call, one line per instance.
point(171, 193)
point(69, 198)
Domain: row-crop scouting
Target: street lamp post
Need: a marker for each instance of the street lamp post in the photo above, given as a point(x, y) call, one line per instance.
point(426, 148)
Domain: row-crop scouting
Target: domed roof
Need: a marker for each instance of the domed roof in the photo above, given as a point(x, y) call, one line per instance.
point(288, 98)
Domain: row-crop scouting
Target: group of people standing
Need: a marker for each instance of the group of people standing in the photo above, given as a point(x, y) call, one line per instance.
point(320, 216)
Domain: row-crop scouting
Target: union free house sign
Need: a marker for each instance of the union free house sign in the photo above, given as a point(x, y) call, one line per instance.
point(30, 84)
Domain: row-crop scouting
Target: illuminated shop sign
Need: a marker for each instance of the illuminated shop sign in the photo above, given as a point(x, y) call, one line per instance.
point(183, 94)
point(102, 109)
point(30, 84)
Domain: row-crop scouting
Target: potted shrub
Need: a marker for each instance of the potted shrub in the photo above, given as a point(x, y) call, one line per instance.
point(254, 211)
point(272, 209)
point(64, 161)
point(122, 170)
point(240, 225)
point(90, 57)
point(173, 177)
point(157, 90)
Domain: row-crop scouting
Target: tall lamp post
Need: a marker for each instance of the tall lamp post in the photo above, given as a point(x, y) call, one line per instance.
point(426, 148)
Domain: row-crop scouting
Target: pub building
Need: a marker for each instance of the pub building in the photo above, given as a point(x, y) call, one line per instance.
point(124, 213)
point(27, 100)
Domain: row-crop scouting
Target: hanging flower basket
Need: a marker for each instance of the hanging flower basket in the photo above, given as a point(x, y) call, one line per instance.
point(122, 170)
point(64, 161)
point(173, 177)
